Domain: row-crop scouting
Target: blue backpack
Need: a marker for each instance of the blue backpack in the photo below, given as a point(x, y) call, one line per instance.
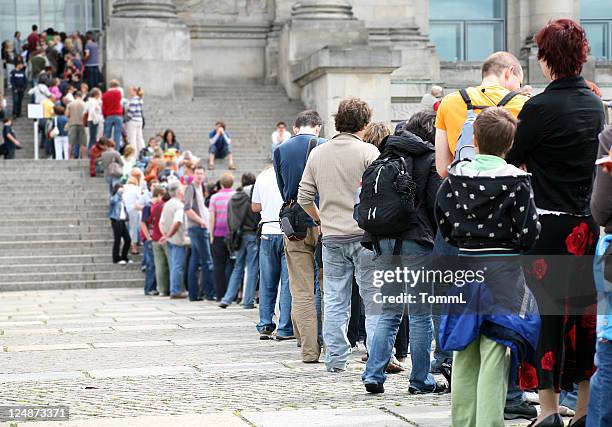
point(465, 144)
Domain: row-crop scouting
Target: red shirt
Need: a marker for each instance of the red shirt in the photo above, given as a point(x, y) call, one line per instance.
point(33, 40)
point(111, 103)
point(156, 212)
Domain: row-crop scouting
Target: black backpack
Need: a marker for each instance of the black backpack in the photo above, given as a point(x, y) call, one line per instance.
point(387, 200)
point(293, 219)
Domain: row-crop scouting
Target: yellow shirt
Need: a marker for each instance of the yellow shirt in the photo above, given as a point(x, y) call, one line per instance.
point(47, 106)
point(452, 111)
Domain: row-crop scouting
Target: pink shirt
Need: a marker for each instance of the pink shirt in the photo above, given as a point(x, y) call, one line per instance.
point(56, 93)
point(218, 206)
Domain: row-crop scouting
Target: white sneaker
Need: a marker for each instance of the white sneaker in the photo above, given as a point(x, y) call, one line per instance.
point(122, 262)
point(129, 261)
point(532, 397)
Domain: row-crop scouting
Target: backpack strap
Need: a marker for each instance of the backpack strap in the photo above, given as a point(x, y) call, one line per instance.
point(466, 98)
point(311, 145)
point(507, 98)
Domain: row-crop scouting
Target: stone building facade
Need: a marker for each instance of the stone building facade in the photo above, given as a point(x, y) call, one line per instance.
point(318, 50)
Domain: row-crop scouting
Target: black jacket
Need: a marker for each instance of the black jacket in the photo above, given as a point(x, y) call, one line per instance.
point(424, 173)
point(239, 212)
point(487, 212)
point(557, 140)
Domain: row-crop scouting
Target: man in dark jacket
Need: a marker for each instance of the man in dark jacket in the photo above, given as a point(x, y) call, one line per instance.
point(19, 83)
point(600, 409)
point(242, 225)
point(414, 146)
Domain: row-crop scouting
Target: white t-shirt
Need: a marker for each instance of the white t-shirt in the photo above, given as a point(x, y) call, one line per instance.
point(267, 193)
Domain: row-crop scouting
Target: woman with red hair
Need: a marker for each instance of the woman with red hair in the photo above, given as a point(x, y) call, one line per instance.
point(556, 141)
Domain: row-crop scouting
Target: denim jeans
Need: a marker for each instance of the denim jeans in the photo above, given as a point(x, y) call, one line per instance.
point(176, 257)
point(111, 181)
point(17, 101)
point(272, 270)
point(112, 129)
point(415, 256)
point(200, 257)
point(600, 410)
point(246, 256)
point(93, 134)
point(342, 261)
point(441, 249)
point(150, 284)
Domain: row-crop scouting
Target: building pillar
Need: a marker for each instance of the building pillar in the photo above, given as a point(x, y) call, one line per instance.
point(147, 45)
point(540, 13)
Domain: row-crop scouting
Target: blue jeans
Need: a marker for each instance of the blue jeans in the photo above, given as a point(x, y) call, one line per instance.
point(600, 409)
point(342, 262)
point(111, 181)
point(200, 257)
point(272, 270)
point(150, 284)
point(112, 129)
point(247, 256)
point(442, 249)
point(219, 149)
point(176, 259)
point(93, 133)
point(416, 256)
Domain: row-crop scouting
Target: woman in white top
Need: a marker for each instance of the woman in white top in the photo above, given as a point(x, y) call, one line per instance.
point(131, 193)
point(129, 159)
point(93, 110)
point(134, 118)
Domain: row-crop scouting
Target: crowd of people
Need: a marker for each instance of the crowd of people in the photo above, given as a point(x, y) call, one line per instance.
point(490, 179)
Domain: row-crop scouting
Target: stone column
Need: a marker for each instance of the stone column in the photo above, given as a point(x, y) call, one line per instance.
point(540, 13)
point(147, 45)
point(313, 25)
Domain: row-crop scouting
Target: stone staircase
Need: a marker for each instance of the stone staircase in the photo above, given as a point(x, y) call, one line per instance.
point(54, 232)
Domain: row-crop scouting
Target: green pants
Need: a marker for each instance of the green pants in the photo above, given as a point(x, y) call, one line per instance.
point(479, 384)
point(162, 271)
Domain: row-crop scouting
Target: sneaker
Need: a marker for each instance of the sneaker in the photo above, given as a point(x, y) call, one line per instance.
point(265, 334)
point(283, 338)
point(438, 388)
point(122, 262)
point(532, 397)
point(522, 410)
point(336, 370)
point(129, 261)
point(223, 305)
point(374, 388)
point(152, 293)
point(180, 295)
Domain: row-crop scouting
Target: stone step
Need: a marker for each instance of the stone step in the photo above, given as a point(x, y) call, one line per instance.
point(42, 229)
point(42, 216)
point(90, 257)
point(55, 244)
point(75, 267)
point(32, 223)
point(71, 284)
point(72, 235)
point(117, 274)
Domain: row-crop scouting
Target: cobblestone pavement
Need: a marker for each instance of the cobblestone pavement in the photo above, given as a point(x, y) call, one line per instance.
point(116, 357)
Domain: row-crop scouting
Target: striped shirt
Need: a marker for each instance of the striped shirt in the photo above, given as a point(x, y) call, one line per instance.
point(218, 207)
point(135, 109)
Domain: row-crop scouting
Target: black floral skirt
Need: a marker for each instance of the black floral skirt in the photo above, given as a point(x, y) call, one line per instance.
point(559, 272)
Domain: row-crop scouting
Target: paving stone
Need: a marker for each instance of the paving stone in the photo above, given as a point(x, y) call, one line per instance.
point(141, 372)
point(196, 420)
point(41, 376)
point(47, 347)
point(42, 331)
point(323, 417)
point(126, 344)
point(21, 323)
point(145, 327)
point(87, 329)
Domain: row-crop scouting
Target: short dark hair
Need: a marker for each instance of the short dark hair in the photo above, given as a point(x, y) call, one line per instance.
point(59, 110)
point(564, 46)
point(281, 124)
point(34, 27)
point(89, 35)
point(6, 120)
point(423, 125)
point(220, 123)
point(353, 115)
point(158, 192)
point(308, 118)
point(247, 179)
point(494, 131)
point(198, 166)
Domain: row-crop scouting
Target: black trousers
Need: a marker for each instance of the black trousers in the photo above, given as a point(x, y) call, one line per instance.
point(120, 232)
point(222, 265)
